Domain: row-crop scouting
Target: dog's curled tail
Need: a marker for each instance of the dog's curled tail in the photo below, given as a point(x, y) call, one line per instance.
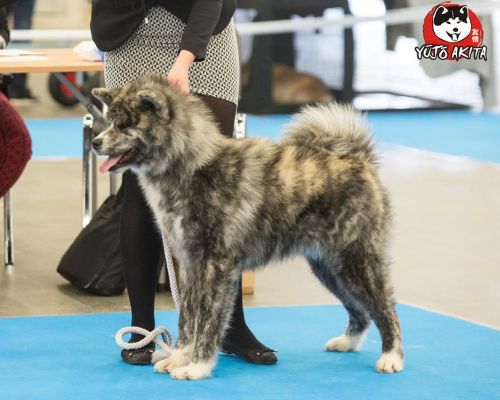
point(333, 127)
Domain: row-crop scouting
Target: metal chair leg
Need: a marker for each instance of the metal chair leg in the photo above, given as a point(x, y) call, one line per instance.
point(113, 178)
point(113, 183)
point(8, 229)
point(89, 172)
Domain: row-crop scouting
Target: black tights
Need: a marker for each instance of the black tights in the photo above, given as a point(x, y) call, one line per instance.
point(141, 247)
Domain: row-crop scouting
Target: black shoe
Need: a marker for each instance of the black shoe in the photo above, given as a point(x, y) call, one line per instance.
point(265, 356)
point(140, 356)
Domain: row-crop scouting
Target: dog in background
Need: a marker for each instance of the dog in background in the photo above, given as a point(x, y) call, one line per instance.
point(228, 205)
point(290, 86)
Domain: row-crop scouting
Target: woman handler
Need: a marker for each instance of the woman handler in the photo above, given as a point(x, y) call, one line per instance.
point(193, 43)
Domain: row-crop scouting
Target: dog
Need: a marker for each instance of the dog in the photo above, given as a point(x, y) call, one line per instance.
point(451, 23)
point(226, 205)
point(291, 86)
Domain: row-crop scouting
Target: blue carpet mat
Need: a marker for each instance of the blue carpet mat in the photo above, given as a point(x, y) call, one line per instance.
point(56, 137)
point(460, 133)
point(75, 357)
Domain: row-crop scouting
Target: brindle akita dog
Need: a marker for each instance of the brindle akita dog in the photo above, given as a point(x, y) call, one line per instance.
point(227, 205)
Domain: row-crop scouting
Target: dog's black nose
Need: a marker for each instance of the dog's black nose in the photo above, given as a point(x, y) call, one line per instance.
point(96, 143)
point(455, 29)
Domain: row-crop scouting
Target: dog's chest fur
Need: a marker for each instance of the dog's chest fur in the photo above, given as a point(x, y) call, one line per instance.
point(169, 220)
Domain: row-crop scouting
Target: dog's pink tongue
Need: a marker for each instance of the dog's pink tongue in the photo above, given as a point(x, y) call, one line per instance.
point(107, 164)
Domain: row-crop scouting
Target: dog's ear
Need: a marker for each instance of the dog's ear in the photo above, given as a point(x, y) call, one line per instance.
point(150, 100)
point(464, 11)
point(106, 95)
point(441, 10)
point(440, 15)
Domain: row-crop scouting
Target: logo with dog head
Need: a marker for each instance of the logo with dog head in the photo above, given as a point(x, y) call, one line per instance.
point(452, 32)
point(451, 24)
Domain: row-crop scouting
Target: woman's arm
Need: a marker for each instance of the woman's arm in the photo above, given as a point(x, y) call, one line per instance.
point(4, 28)
point(201, 23)
point(200, 26)
point(179, 73)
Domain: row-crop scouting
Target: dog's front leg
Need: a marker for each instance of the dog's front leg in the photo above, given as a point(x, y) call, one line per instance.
point(215, 295)
point(183, 352)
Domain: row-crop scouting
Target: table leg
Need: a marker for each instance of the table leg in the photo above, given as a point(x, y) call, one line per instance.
point(8, 229)
point(113, 183)
point(72, 88)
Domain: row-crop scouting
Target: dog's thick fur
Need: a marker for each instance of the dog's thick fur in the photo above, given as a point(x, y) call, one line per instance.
point(227, 205)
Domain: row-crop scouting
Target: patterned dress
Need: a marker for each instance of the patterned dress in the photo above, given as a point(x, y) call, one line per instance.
point(154, 46)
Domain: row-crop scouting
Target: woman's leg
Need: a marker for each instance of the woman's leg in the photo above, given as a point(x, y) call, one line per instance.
point(140, 248)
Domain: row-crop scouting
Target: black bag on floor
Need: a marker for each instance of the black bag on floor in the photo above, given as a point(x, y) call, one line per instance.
point(93, 262)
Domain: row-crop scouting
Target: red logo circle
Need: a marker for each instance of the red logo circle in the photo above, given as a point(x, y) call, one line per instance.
point(450, 24)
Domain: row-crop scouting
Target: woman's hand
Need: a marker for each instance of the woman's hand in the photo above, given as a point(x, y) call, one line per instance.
point(179, 73)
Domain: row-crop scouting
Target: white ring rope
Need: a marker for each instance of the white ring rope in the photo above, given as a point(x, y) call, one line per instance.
point(391, 17)
point(171, 273)
point(166, 343)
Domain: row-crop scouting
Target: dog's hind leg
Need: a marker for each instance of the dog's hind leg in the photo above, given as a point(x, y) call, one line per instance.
point(362, 275)
point(359, 321)
point(215, 294)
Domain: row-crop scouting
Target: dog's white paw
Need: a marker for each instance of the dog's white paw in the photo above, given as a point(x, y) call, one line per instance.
point(390, 362)
point(178, 358)
point(193, 371)
point(345, 343)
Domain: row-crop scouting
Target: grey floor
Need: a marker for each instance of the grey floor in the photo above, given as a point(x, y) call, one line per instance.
point(445, 253)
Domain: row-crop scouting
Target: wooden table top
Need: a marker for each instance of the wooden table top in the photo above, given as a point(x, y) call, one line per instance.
point(52, 60)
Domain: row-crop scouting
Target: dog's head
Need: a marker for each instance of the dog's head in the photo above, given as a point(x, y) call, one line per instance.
point(140, 115)
point(451, 24)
